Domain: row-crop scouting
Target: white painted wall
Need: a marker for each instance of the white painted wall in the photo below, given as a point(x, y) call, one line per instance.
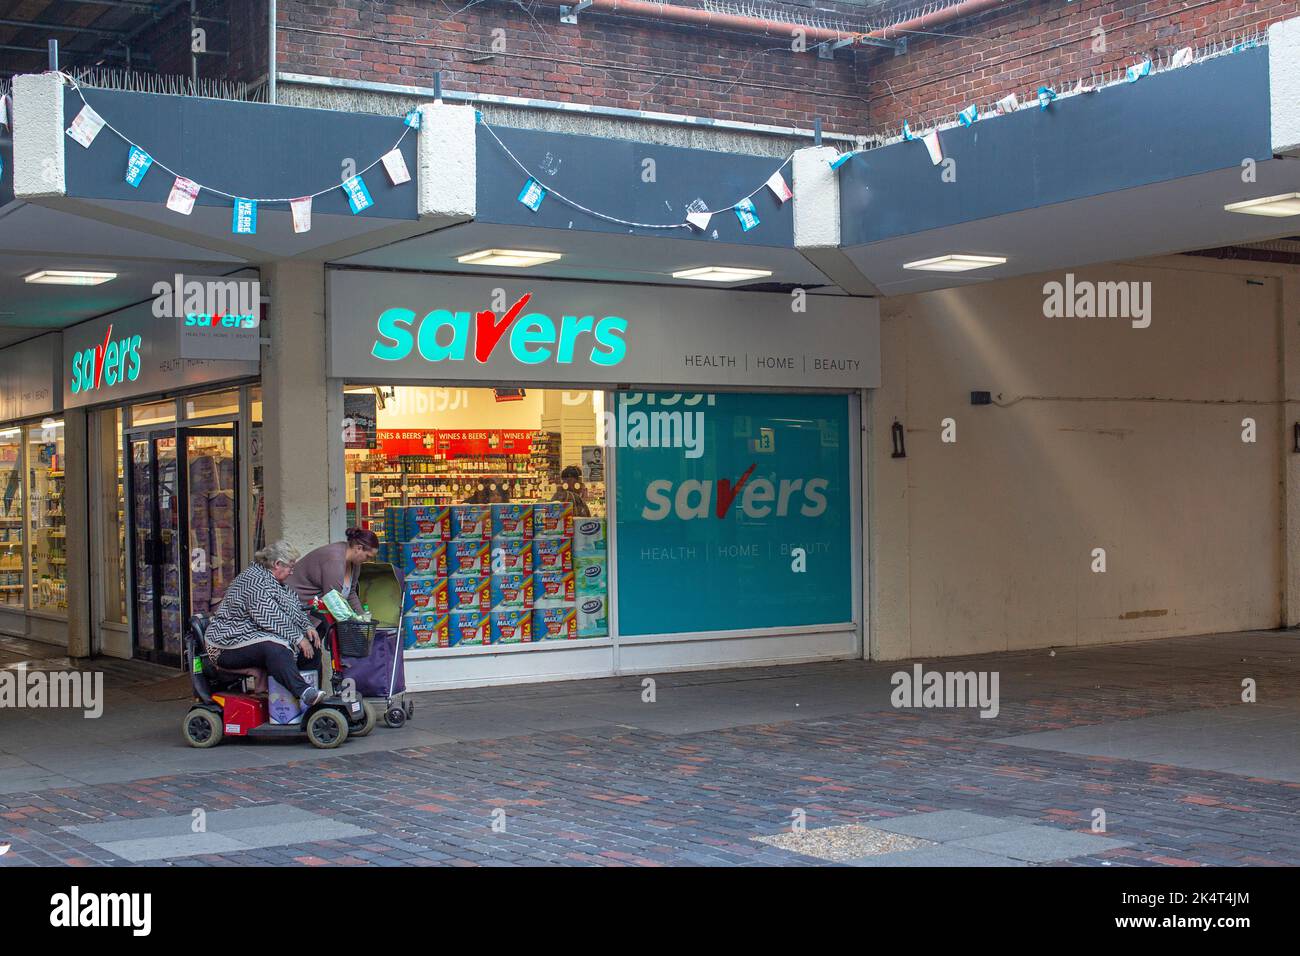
point(985, 544)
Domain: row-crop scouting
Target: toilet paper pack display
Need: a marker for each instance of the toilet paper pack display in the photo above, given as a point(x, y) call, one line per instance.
point(512, 627)
point(427, 594)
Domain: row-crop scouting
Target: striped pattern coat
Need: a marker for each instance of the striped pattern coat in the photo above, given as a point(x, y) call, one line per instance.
point(257, 607)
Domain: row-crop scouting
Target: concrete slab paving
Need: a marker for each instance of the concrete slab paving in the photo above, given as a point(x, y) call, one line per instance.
point(1037, 844)
point(943, 826)
point(942, 855)
point(146, 849)
point(225, 831)
point(1262, 738)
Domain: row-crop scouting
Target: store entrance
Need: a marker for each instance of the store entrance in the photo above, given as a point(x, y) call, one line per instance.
point(184, 531)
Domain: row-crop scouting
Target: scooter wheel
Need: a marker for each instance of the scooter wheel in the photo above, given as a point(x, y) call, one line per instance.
point(369, 725)
point(410, 709)
point(202, 728)
point(327, 729)
point(395, 717)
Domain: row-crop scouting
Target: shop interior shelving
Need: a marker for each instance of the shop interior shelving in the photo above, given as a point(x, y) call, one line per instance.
point(48, 532)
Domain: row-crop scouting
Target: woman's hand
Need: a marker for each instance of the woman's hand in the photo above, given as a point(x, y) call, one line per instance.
point(305, 645)
point(312, 636)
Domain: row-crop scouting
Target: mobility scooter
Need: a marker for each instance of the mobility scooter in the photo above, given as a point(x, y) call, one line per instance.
point(224, 708)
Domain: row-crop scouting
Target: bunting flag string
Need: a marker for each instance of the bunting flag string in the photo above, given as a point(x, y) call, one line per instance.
point(87, 125)
point(1045, 96)
point(698, 215)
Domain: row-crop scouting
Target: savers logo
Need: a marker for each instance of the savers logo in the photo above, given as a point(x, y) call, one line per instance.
point(531, 338)
point(106, 364)
point(755, 497)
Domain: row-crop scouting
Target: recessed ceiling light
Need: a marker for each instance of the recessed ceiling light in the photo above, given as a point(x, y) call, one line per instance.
point(67, 277)
point(722, 274)
point(512, 258)
point(1288, 204)
point(957, 262)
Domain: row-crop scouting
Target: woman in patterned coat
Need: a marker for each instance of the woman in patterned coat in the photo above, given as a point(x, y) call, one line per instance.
point(261, 624)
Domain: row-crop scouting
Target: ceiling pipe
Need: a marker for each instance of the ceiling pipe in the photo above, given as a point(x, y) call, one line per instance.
point(958, 11)
point(650, 9)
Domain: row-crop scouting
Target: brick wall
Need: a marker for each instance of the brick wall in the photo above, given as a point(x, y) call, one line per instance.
point(606, 60)
point(654, 65)
point(1034, 43)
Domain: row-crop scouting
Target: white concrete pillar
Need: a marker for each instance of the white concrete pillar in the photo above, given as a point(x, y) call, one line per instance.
point(887, 496)
point(1284, 85)
point(295, 409)
point(817, 219)
point(76, 504)
point(39, 138)
point(448, 173)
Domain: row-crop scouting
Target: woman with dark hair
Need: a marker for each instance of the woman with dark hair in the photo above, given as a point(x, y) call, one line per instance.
point(335, 567)
point(570, 490)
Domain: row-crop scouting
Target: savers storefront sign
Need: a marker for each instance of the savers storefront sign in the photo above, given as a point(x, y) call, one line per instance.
point(386, 326)
point(134, 352)
point(105, 364)
point(531, 339)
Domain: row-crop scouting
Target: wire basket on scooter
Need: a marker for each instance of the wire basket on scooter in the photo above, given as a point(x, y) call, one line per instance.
point(355, 638)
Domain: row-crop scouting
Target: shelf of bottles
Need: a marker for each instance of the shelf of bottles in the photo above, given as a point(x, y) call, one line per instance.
point(11, 520)
point(48, 525)
point(419, 480)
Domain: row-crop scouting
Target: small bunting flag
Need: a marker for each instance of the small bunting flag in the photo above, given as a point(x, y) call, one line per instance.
point(243, 219)
point(747, 214)
point(301, 211)
point(532, 194)
point(931, 140)
point(86, 126)
point(776, 183)
point(395, 165)
point(357, 193)
point(843, 158)
point(699, 220)
point(137, 164)
point(181, 198)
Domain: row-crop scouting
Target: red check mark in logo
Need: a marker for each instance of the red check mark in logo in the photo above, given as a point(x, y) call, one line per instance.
point(488, 331)
point(100, 352)
point(727, 494)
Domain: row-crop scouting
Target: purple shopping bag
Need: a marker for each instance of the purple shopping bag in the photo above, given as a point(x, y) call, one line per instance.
point(373, 675)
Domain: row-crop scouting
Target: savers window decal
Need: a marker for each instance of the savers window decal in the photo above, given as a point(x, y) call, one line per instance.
point(748, 528)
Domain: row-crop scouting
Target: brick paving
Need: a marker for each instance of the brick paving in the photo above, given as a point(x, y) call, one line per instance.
point(615, 795)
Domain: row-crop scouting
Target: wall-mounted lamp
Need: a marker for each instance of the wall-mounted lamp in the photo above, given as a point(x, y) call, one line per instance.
point(900, 450)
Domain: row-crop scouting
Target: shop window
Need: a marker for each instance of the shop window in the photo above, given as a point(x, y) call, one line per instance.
point(47, 521)
point(211, 404)
point(734, 511)
point(491, 501)
point(154, 413)
point(255, 466)
point(11, 518)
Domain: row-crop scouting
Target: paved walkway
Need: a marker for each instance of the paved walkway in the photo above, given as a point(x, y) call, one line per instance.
point(787, 765)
